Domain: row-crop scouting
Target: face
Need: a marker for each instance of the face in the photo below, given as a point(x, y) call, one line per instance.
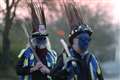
point(81, 42)
point(39, 41)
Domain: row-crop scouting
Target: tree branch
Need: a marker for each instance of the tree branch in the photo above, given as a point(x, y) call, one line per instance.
point(12, 4)
point(15, 7)
point(7, 4)
point(2, 11)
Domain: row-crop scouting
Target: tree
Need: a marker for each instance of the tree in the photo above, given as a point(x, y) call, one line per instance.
point(10, 13)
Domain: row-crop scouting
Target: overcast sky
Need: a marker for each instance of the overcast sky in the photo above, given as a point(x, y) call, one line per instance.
point(111, 6)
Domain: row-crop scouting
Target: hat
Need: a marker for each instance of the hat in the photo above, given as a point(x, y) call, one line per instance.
point(39, 31)
point(83, 28)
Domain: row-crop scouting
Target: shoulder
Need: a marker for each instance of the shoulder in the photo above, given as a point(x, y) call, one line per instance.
point(52, 53)
point(94, 61)
point(91, 56)
point(94, 58)
point(25, 52)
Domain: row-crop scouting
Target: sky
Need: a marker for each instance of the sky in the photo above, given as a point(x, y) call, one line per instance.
point(111, 7)
point(116, 10)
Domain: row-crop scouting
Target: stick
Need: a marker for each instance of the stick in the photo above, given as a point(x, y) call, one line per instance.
point(29, 39)
point(65, 47)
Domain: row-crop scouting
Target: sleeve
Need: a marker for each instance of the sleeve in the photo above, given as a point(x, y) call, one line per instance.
point(59, 64)
point(57, 72)
point(97, 68)
point(20, 70)
point(63, 69)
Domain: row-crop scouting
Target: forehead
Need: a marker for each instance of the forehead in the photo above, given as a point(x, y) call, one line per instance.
point(82, 35)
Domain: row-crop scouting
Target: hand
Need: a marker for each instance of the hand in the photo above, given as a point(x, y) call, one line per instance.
point(40, 66)
point(44, 70)
point(36, 67)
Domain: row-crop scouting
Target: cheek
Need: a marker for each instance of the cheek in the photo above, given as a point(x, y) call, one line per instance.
point(76, 43)
point(83, 43)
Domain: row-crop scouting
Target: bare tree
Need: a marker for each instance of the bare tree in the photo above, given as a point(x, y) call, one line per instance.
point(10, 10)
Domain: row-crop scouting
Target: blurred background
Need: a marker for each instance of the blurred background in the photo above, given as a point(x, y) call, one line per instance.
point(102, 15)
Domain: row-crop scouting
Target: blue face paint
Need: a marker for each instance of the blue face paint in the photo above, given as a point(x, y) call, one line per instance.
point(83, 41)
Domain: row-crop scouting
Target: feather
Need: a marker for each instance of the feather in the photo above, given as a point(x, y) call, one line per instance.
point(73, 15)
point(37, 14)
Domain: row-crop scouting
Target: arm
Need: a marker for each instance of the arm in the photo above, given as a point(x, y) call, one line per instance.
point(26, 70)
point(71, 70)
point(66, 72)
point(23, 60)
point(57, 72)
point(20, 70)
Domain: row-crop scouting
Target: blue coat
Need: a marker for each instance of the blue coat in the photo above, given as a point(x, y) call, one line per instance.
point(27, 60)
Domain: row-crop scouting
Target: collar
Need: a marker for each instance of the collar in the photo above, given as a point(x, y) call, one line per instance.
point(79, 55)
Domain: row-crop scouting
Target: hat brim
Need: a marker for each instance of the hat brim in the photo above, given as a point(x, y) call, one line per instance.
point(38, 34)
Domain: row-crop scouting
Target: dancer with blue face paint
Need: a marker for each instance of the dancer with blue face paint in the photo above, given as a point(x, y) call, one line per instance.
point(86, 66)
point(82, 64)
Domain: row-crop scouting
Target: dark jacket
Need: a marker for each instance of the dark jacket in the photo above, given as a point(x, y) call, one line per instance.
point(78, 67)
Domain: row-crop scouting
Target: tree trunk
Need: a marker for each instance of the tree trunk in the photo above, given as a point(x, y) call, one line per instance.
point(6, 43)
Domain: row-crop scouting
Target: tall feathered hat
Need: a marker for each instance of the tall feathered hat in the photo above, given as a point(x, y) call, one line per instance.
point(75, 20)
point(38, 17)
point(38, 20)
